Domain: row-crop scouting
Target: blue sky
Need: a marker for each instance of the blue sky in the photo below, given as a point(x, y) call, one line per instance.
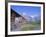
point(28, 10)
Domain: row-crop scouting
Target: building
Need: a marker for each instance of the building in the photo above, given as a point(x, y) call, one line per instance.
point(16, 21)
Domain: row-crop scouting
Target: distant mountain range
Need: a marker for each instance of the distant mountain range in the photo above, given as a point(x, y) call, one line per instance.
point(30, 18)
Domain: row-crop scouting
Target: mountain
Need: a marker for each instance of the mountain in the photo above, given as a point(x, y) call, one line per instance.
point(30, 18)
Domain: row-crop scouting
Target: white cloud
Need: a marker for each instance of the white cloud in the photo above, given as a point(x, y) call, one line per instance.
point(32, 16)
point(24, 13)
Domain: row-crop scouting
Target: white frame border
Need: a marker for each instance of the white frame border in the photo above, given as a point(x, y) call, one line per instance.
point(25, 32)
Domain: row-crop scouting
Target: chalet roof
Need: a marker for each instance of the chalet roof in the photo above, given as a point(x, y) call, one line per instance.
point(17, 15)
